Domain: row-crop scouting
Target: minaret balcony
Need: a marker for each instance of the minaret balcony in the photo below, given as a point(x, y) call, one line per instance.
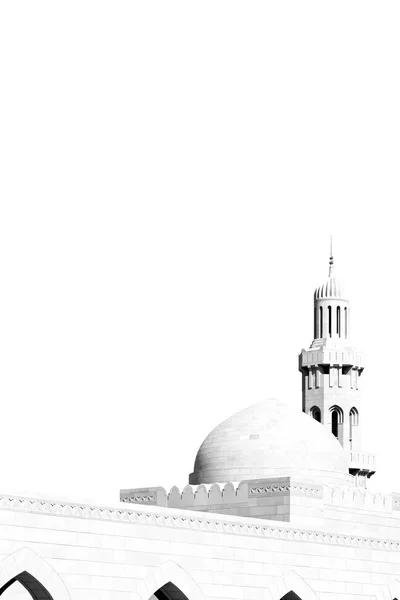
point(362, 463)
point(331, 356)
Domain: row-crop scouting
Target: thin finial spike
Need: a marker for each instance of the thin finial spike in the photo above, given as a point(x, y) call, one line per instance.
point(331, 261)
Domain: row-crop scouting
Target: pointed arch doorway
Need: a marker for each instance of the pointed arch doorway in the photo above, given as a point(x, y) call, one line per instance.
point(291, 596)
point(169, 591)
point(25, 574)
point(23, 587)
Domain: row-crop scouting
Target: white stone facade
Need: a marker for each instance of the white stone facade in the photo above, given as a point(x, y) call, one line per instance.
point(288, 522)
point(84, 552)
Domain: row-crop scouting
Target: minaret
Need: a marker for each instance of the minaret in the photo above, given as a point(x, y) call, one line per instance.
point(331, 371)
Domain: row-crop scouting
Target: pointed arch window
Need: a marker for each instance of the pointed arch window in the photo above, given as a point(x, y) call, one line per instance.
point(353, 414)
point(338, 321)
point(315, 412)
point(336, 419)
point(27, 569)
point(34, 589)
point(335, 423)
point(353, 422)
point(169, 591)
point(345, 322)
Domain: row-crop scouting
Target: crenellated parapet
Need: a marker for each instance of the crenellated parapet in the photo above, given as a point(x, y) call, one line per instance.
point(279, 499)
point(282, 499)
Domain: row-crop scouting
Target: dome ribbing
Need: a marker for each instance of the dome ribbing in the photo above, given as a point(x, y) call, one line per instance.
point(330, 289)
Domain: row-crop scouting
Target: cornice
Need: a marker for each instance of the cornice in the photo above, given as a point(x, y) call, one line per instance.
point(261, 490)
point(190, 521)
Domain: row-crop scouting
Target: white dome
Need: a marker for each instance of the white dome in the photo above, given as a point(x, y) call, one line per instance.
point(270, 439)
point(330, 289)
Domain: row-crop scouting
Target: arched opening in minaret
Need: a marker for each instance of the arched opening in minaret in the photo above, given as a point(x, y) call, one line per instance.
point(330, 321)
point(336, 421)
point(321, 323)
point(169, 591)
point(338, 321)
point(353, 422)
point(315, 412)
point(24, 587)
point(345, 322)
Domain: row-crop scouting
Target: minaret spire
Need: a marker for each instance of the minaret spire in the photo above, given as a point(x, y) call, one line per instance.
point(331, 265)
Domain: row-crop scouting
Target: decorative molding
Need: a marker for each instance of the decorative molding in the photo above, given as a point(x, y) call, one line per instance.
point(173, 518)
point(137, 499)
point(291, 489)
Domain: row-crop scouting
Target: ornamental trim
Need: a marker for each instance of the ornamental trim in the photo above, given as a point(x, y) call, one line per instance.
point(182, 521)
point(134, 499)
point(296, 489)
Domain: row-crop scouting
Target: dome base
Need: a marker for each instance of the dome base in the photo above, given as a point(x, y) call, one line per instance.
point(288, 499)
point(312, 476)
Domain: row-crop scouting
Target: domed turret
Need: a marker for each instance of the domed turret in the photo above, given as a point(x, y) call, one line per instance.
point(330, 289)
point(331, 309)
point(270, 439)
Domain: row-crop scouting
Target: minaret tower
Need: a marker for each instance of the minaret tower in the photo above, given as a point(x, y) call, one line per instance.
point(331, 370)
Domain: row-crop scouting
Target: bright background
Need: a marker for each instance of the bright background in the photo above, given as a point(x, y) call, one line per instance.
point(170, 175)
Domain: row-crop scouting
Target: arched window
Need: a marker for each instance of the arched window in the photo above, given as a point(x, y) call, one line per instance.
point(330, 321)
point(353, 422)
point(14, 589)
point(26, 569)
point(169, 591)
point(336, 419)
point(335, 423)
point(345, 322)
point(316, 413)
point(291, 596)
point(353, 414)
point(338, 321)
point(321, 323)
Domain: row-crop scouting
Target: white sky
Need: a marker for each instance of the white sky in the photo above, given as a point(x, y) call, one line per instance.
point(170, 175)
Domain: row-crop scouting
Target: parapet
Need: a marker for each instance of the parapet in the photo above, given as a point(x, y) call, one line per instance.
point(284, 499)
point(278, 499)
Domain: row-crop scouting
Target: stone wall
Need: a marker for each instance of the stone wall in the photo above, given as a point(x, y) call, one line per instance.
point(86, 552)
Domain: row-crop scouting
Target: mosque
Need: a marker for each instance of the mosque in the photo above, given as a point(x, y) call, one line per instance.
point(277, 506)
